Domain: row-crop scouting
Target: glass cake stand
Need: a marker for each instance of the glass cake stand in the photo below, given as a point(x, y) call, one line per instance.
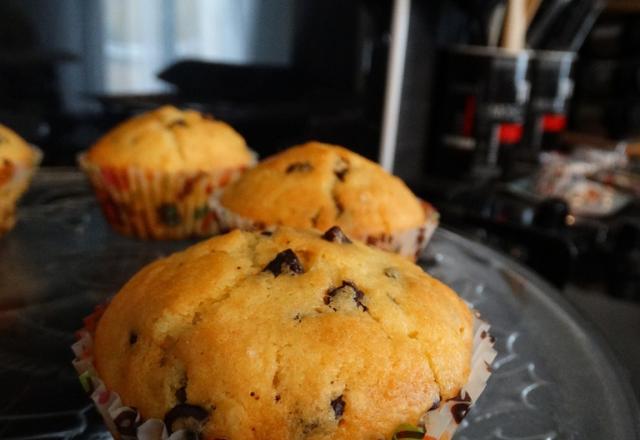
point(554, 377)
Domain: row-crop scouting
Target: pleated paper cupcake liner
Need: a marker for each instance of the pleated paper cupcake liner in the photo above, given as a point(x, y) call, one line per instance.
point(124, 422)
point(14, 181)
point(441, 423)
point(158, 205)
point(408, 242)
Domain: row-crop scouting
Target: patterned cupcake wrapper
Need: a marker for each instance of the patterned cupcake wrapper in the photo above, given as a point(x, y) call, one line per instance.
point(11, 190)
point(157, 205)
point(125, 423)
point(408, 243)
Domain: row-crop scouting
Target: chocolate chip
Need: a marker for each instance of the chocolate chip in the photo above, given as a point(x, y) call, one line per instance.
point(341, 169)
point(127, 422)
point(184, 416)
point(133, 338)
point(335, 235)
point(348, 287)
point(460, 409)
point(392, 272)
point(338, 406)
point(277, 398)
point(285, 262)
point(357, 298)
point(300, 167)
point(266, 233)
point(177, 123)
point(181, 394)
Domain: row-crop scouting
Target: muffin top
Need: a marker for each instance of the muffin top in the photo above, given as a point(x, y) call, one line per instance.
point(15, 149)
point(318, 185)
point(169, 139)
point(284, 335)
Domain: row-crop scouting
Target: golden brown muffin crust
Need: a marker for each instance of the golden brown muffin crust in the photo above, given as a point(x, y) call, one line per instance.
point(286, 336)
point(169, 139)
point(318, 185)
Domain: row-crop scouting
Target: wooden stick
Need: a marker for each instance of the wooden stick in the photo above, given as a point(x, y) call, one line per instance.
point(496, 23)
point(515, 26)
point(532, 8)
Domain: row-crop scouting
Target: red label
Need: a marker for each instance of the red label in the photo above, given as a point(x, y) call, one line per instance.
point(510, 133)
point(553, 123)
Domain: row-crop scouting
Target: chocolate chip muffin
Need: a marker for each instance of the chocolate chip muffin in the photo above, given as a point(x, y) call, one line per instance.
point(18, 161)
point(283, 335)
point(154, 173)
point(317, 185)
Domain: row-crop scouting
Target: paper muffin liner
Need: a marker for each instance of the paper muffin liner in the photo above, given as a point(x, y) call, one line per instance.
point(441, 423)
point(14, 181)
point(155, 204)
point(125, 422)
point(408, 242)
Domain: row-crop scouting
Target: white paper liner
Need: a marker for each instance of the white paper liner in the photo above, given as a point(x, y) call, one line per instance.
point(11, 190)
point(442, 422)
point(408, 243)
point(155, 204)
point(439, 424)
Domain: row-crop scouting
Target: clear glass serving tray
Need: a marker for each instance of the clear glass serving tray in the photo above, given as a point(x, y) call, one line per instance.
point(554, 378)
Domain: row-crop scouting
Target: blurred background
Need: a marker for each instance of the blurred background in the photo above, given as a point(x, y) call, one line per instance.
point(521, 125)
